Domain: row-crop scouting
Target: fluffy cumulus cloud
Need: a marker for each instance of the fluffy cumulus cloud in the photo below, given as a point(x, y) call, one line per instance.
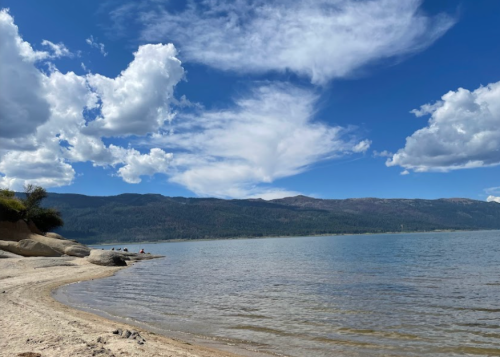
point(493, 194)
point(137, 164)
point(137, 101)
point(269, 134)
point(463, 132)
point(51, 120)
point(321, 39)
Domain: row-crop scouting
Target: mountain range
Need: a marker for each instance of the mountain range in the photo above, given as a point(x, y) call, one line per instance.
point(153, 217)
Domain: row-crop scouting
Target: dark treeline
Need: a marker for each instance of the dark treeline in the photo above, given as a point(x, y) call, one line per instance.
point(134, 217)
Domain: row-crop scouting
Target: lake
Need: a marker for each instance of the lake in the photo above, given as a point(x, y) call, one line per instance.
point(421, 294)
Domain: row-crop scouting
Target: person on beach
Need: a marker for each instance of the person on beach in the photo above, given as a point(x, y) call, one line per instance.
point(141, 251)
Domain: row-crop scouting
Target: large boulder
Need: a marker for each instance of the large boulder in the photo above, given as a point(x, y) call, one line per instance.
point(106, 258)
point(13, 232)
point(63, 246)
point(29, 248)
point(77, 250)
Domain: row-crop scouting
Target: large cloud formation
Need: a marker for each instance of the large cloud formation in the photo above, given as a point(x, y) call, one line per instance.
point(463, 132)
point(319, 39)
point(55, 119)
point(50, 120)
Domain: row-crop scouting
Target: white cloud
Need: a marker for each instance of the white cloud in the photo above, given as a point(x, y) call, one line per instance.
point(42, 167)
point(268, 135)
point(238, 151)
point(100, 46)
point(463, 132)
point(321, 40)
point(58, 49)
point(137, 164)
point(493, 190)
point(137, 101)
point(22, 106)
point(383, 153)
point(493, 199)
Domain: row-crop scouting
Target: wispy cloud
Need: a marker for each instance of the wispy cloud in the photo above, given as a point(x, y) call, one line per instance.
point(321, 40)
point(58, 49)
point(268, 134)
point(93, 43)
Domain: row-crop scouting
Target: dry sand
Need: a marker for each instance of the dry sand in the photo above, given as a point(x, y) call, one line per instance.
point(32, 321)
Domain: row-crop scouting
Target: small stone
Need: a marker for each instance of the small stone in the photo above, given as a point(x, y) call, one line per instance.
point(140, 342)
point(29, 354)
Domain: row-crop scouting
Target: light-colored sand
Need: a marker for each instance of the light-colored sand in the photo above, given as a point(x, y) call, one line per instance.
point(32, 321)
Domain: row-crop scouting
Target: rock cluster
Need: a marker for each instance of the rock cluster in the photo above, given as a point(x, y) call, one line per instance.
point(132, 335)
point(23, 239)
point(106, 258)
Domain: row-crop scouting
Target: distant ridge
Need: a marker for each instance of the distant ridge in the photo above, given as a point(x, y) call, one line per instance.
point(152, 217)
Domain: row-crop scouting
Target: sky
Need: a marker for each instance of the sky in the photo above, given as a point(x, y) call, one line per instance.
point(246, 99)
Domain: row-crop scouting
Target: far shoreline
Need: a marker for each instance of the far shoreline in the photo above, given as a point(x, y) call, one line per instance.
point(305, 236)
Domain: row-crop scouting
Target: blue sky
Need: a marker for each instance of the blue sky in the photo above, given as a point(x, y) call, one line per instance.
point(327, 98)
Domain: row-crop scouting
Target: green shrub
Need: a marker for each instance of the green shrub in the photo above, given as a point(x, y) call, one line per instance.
point(29, 209)
point(11, 208)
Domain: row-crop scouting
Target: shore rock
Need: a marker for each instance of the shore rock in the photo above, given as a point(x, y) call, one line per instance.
point(29, 248)
point(77, 251)
point(138, 256)
point(51, 245)
point(106, 258)
point(54, 235)
point(5, 254)
point(64, 246)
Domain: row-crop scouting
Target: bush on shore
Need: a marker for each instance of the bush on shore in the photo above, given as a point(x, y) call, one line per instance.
point(29, 208)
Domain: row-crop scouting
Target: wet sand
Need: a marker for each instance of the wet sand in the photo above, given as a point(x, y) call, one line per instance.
point(32, 321)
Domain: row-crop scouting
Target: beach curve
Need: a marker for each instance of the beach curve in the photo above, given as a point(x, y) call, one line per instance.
point(33, 321)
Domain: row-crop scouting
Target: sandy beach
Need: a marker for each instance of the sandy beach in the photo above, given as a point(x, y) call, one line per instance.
point(33, 324)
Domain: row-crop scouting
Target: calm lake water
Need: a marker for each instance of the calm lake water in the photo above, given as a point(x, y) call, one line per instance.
point(431, 294)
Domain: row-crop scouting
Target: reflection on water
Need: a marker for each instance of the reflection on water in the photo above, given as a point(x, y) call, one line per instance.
point(434, 294)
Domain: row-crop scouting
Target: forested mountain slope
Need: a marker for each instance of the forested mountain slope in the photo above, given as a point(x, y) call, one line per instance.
point(134, 217)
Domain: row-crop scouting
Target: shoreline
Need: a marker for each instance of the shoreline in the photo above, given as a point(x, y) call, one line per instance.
point(33, 321)
point(267, 237)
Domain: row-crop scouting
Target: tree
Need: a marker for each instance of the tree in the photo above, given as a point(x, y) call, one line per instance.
point(45, 219)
